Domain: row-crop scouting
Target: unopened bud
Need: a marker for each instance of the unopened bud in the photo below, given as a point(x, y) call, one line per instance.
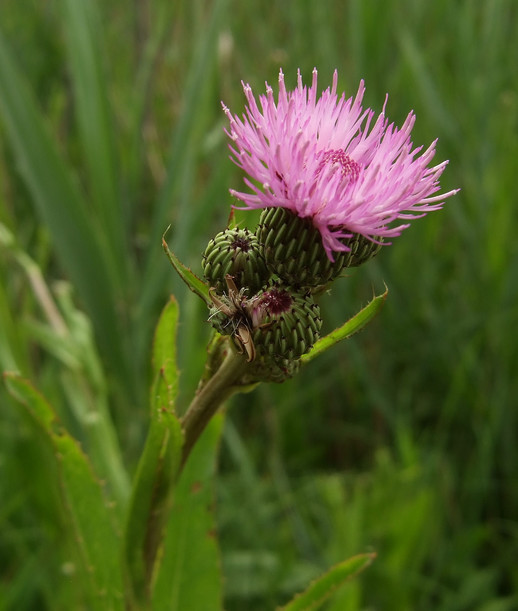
point(235, 252)
point(286, 323)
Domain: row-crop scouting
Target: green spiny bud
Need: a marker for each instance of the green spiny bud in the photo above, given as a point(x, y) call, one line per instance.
point(235, 252)
point(286, 323)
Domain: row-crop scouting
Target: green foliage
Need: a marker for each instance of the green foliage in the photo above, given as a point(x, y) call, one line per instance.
point(352, 326)
point(169, 538)
point(403, 438)
point(92, 519)
point(197, 286)
point(158, 465)
point(321, 589)
point(59, 203)
point(188, 576)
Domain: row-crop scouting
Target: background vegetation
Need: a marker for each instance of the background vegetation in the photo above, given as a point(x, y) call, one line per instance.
point(402, 440)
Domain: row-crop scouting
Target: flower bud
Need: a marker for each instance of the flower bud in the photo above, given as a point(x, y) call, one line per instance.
point(286, 323)
point(235, 252)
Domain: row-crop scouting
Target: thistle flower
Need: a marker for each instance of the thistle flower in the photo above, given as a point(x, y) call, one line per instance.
point(327, 161)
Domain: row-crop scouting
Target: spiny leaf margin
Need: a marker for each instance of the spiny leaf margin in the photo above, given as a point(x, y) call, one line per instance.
point(322, 588)
point(350, 327)
point(159, 463)
point(195, 284)
point(92, 520)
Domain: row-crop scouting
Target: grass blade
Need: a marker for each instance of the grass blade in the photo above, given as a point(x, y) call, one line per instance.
point(60, 204)
point(84, 46)
point(186, 133)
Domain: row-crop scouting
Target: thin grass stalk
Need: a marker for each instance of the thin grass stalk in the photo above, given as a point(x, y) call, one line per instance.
point(84, 36)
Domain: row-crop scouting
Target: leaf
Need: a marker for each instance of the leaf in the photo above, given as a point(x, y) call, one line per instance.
point(323, 587)
point(190, 278)
point(352, 326)
point(164, 352)
point(91, 518)
point(158, 466)
point(189, 575)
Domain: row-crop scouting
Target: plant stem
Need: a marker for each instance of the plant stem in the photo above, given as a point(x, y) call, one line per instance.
point(222, 385)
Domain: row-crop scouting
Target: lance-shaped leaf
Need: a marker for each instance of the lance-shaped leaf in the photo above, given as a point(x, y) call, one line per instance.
point(323, 587)
point(158, 466)
point(352, 326)
point(195, 284)
point(189, 575)
point(91, 517)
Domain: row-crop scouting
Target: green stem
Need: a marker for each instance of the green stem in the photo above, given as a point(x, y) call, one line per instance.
point(222, 385)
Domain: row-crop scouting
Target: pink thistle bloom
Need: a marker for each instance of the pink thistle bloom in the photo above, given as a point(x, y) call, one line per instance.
point(323, 159)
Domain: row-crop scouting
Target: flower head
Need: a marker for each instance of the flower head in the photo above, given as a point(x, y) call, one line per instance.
point(326, 160)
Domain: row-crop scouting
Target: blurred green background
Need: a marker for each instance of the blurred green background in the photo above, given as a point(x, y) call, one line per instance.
point(402, 440)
